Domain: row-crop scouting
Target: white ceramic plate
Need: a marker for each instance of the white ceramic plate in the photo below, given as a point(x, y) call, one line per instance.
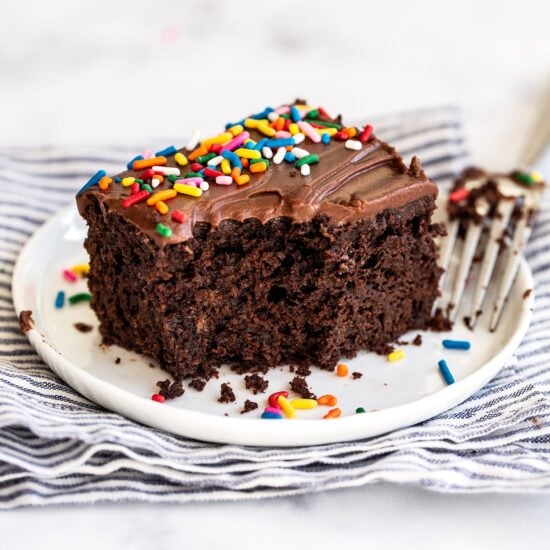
point(394, 394)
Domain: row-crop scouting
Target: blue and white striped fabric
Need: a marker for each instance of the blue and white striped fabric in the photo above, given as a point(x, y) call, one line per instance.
point(58, 448)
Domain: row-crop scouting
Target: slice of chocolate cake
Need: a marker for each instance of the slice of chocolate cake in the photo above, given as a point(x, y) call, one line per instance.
point(288, 238)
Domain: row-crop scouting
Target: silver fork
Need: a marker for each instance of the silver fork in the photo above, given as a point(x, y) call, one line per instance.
point(511, 193)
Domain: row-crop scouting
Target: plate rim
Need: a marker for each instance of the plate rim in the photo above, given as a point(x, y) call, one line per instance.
point(229, 430)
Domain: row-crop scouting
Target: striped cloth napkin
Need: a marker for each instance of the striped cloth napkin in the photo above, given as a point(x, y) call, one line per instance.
point(58, 448)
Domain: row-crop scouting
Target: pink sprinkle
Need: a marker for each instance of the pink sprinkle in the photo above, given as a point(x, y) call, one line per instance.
point(224, 180)
point(191, 181)
point(309, 131)
point(147, 154)
point(283, 110)
point(70, 275)
point(275, 410)
point(235, 142)
point(283, 134)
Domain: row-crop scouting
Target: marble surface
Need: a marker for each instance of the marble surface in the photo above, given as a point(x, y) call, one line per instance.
point(88, 72)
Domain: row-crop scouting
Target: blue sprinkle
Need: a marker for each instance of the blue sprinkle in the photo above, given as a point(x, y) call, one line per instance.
point(290, 157)
point(233, 158)
point(456, 344)
point(250, 145)
point(167, 151)
point(131, 163)
point(295, 114)
point(271, 415)
point(117, 179)
point(281, 142)
point(231, 124)
point(325, 138)
point(94, 180)
point(260, 145)
point(60, 300)
point(263, 114)
point(443, 367)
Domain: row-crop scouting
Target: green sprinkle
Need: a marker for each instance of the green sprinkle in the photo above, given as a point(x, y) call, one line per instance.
point(313, 114)
point(80, 297)
point(308, 159)
point(359, 410)
point(254, 161)
point(163, 230)
point(284, 115)
point(193, 175)
point(205, 158)
point(525, 177)
point(172, 178)
point(146, 186)
point(140, 181)
point(327, 124)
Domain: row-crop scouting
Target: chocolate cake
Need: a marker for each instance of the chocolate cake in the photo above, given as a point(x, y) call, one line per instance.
point(287, 239)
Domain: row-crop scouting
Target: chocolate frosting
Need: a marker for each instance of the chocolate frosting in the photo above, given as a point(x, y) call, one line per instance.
point(345, 185)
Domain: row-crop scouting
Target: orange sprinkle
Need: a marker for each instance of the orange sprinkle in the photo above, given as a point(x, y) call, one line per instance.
point(244, 162)
point(352, 132)
point(258, 167)
point(333, 413)
point(198, 152)
point(161, 207)
point(279, 123)
point(104, 183)
point(149, 163)
point(161, 196)
point(342, 370)
point(328, 400)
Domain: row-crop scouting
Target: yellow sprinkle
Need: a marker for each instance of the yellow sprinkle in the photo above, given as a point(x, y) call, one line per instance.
point(161, 207)
point(81, 269)
point(293, 129)
point(222, 138)
point(236, 130)
point(329, 131)
point(258, 167)
point(187, 189)
point(161, 196)
point(247, 153)
point(241, 180)
point(288, 409)
point(304, 403)
point(536, 177)
point(181, 159)
point(126, 182)
point(266, 130)
point(396, 355)
point(253, 123)
point(226, 167)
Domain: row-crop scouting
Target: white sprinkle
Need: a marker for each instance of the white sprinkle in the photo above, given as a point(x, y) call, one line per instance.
point(272, 117)
point(204, 186)
point(224, 180)
point(215, 161)
point(155, 183)
point(194, 141)
point(299, 152)
point(279, 155)
point(353, 144)
point(305, 170)
point(167, 170)
point(298, 138)
point(267, 152)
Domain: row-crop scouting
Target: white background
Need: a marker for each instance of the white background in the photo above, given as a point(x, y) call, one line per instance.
point(98, 72)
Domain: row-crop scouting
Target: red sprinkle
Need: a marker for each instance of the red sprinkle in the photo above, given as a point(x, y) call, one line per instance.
point(212, 173)
point(134, 190)
point(178, 216)
point(365, 134)
point(69, 275)
point(323, 113)
point(195, 167)
point(216, 147)
point(134, 199)
point(273, 398)
point(158, 398)
point(147, 174)
point(459, 194)
point(342, 135)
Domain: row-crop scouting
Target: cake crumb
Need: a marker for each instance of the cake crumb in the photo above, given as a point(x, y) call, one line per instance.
point(226, 394)
point(255, 383)
point(356, 375)
point(249, 406)
point(83, 327)
point(197, 384)
point(417, 340)
point(536, 421)
point(527, 293)
point(151, 366)
point(117, 360)
point(300, 386)
point(303, 370)
point(440, 322)
point(170, 390)
point(26, 322)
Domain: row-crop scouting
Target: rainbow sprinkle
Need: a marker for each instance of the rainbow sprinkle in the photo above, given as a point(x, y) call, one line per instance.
point(244, 151)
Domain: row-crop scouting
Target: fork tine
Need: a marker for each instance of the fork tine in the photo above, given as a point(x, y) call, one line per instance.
point(471, 241)
point(510, 269)
point(498, 226)
point(446, 253)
